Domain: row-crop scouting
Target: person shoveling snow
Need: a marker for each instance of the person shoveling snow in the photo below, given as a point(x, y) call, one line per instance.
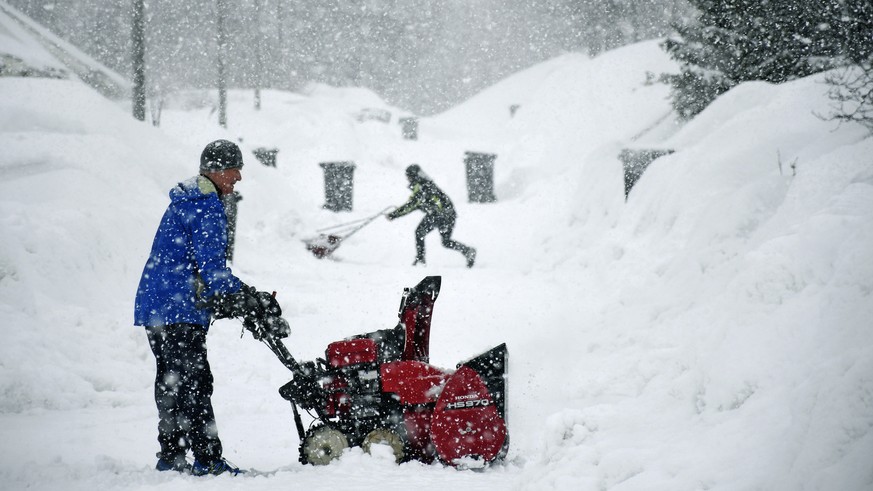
point(439, 214)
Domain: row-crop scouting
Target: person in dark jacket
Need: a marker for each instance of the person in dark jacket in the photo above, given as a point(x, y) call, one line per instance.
point(185, 282)
point(439, 213)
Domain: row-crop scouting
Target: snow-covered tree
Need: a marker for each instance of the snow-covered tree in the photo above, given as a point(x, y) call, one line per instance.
point(732, 41)
point(852, 87)
point(421, 55)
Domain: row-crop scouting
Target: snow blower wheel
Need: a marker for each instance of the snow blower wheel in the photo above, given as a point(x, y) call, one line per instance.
point(322, 445)
point(384, 436)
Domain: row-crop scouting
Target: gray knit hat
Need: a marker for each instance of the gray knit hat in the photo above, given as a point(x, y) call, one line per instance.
point(220, 155)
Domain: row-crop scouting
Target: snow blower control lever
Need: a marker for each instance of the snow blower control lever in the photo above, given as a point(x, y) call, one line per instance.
point(379, 388)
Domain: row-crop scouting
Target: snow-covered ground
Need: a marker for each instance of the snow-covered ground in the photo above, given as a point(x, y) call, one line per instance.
point(711, 332)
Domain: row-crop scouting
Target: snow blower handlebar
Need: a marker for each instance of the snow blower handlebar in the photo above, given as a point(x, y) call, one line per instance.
point(281, 353)
point(302, 378)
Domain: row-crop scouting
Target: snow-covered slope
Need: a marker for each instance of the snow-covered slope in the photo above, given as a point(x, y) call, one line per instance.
point(711, 332)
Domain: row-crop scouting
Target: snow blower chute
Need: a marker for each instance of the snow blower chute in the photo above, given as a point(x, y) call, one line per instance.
point(379, 388)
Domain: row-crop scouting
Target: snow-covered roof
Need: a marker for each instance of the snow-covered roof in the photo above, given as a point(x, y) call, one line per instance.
point(28, 49)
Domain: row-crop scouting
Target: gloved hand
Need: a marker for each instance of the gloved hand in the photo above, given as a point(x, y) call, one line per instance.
point(237, 304)
point(275, 327)
point(267, 306)
point(260, 312)
point(263, 316)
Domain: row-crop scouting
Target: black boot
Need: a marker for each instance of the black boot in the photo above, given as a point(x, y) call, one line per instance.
point(470, 254)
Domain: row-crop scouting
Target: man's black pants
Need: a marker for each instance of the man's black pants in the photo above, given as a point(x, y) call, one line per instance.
point(445, 224)
point(183, 391)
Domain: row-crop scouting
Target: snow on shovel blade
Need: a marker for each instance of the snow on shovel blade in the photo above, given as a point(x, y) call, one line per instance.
point(323, 245)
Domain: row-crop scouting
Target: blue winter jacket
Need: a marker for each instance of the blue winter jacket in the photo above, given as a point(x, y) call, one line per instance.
point(187, 262)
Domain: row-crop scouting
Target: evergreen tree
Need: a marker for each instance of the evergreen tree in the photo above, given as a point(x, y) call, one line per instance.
point(733, 41)
point(854, 23)
point(852, 87)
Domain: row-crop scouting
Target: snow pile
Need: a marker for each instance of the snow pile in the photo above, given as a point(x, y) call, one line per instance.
point(712, 331)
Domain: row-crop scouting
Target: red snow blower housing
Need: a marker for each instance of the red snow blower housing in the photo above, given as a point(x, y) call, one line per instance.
point(378, 388)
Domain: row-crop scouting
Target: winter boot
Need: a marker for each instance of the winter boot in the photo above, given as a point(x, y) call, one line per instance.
point(215, 468)
point(471, 257)
point(178, 464)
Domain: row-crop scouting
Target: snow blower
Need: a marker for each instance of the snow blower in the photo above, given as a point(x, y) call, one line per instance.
point(325, 243)
point(379, 389)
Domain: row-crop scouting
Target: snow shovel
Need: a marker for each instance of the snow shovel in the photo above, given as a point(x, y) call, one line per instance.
point(330, 238)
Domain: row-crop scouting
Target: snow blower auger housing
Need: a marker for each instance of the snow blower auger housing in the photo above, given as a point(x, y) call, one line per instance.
point(379, 388)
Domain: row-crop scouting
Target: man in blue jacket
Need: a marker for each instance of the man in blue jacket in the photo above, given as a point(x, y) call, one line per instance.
point(185, 283)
